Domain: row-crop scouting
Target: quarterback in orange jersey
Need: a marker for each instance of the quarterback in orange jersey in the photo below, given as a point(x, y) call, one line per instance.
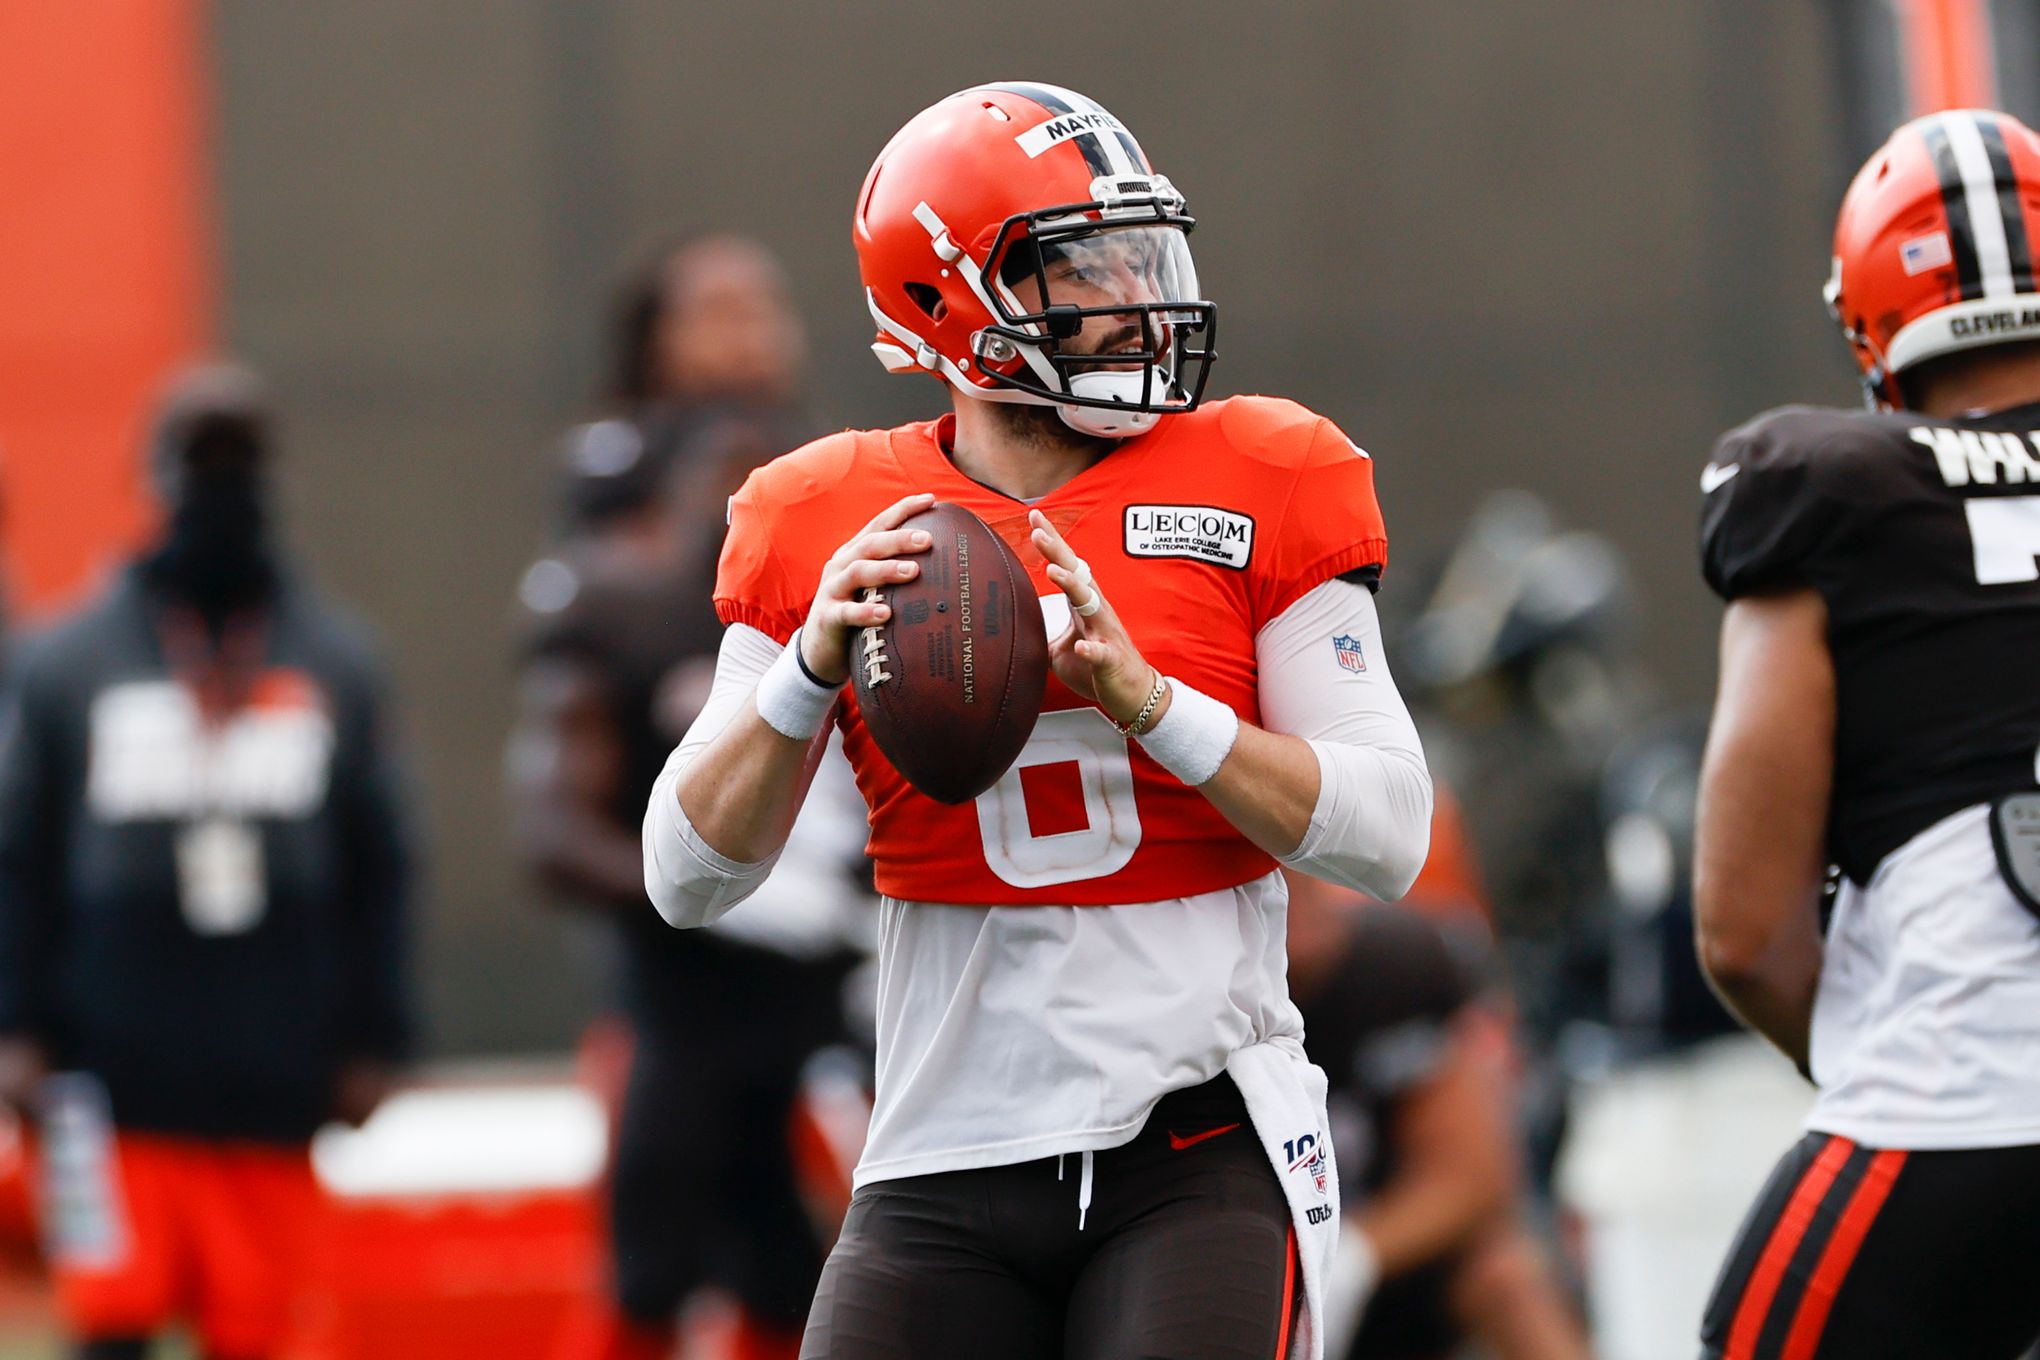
point(1095, 1132)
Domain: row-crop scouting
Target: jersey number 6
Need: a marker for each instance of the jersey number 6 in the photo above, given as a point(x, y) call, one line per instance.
point(1111, 830)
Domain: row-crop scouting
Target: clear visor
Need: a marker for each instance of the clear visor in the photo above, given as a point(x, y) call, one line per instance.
point(1097, 269)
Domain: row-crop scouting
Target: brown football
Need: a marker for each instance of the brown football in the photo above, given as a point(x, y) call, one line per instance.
point(951, 683)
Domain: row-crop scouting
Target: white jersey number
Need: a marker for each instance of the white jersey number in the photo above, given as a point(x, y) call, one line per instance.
point(2005, 534)
point(1083, 737)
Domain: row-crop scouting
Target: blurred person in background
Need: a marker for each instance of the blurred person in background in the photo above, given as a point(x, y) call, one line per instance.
point(1583, 796)
point(708, 323)
point(1434, 1255)
point(618, 649)
point(1877, 713)
point(1525, 679)
point(1523, 674)
point(204, 882)
point(1665, 1077)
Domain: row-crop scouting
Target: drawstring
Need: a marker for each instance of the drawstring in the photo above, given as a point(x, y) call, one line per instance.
point(1084, 1179)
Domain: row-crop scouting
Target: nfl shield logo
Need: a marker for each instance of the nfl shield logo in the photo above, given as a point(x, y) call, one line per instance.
point(1348, 651)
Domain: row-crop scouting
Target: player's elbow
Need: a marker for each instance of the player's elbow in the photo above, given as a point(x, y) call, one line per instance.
point(1731, 958)
point(1372, 829)
point(689, 905)
point(1734, 946)
point(1397, 870)
point(689, 882)
point(1733, 941)
point(1403, 838)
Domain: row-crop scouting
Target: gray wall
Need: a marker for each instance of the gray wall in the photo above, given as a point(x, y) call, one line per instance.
point(1557, 245)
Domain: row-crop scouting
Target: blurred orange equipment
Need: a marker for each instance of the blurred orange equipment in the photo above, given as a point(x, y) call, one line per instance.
point(169, 1227)
point(1449, 886)
point(463, 1223)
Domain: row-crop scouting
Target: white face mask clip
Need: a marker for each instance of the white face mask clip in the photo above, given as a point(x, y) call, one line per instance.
point(1105, 422)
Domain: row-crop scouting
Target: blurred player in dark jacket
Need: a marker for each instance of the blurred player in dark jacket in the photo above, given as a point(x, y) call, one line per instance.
point(618, 649)
point(203, 883)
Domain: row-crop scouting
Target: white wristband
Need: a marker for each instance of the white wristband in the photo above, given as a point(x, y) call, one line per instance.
point(791, 703)
point(1194, 737)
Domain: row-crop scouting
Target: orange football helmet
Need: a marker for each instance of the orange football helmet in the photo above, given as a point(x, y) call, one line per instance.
point(1000, 223)
point(1933, 246)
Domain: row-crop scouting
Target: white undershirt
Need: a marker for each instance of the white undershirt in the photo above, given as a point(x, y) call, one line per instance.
point(1926, 1026)
point(1011, 1033)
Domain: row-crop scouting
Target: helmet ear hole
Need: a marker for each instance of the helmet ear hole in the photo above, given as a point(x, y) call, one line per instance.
point(928, 299)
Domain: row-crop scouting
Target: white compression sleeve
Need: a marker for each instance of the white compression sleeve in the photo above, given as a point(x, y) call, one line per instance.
point(1323, 677)
point(687, 880)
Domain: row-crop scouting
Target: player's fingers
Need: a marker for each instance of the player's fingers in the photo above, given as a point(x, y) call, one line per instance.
point(892, 515)
point(1111, 664)
point(1049, 542)
point(867, 609)
point(1088, 608)
point(865, 573)
point(886, 543)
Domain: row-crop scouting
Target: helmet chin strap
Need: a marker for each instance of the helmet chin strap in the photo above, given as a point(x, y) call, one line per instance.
point(1116, 385)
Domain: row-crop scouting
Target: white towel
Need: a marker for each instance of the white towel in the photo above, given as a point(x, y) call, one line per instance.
point(1285, 1095)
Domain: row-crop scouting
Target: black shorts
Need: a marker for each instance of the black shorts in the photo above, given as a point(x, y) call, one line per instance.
point(1186, 1251)
point(1409, 1316)
point(703, 1189)
point(1852, 1253)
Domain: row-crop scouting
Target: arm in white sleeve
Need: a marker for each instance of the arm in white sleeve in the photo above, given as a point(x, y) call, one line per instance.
point(687, 880)
point(1371, 828)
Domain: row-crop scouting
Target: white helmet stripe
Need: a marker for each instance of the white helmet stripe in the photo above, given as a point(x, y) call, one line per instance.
point(1979, 191)
point(912, 345)
point(972, 274)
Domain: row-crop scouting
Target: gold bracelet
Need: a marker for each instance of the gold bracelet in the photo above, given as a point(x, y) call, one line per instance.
point(1139, 725)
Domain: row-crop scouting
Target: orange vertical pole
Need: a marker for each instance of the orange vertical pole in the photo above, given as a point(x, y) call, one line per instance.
point(105, 270)
point(1948, 53)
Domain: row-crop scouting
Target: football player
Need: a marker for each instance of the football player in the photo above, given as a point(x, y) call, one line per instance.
point(1877, 713)
point(1095, 1131)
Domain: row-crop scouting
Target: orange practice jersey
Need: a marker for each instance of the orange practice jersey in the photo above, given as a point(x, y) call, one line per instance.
point(1200, 532)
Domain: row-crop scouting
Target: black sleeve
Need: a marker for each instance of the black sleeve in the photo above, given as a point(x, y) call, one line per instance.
point(32, 836)
point(1765, 520)
point(376, 826)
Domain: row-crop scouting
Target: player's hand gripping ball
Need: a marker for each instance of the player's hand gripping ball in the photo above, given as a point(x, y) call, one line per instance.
point(950, 684)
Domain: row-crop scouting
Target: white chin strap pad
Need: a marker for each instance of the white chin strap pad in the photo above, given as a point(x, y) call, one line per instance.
point(1110, 385)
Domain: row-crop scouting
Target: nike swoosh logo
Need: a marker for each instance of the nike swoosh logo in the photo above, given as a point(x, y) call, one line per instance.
point(1179, 1142)
point(1715, 476)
